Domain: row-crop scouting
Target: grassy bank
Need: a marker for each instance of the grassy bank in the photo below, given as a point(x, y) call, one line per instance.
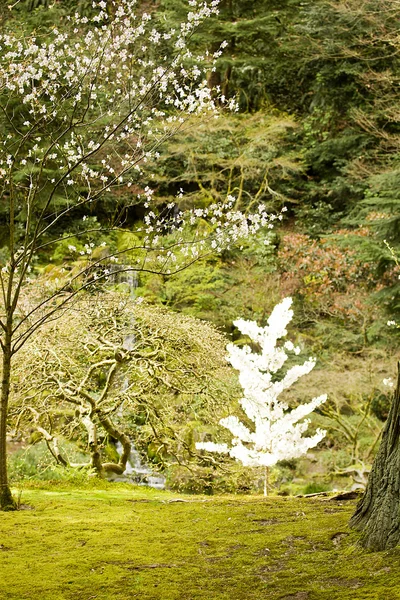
point(118, 542)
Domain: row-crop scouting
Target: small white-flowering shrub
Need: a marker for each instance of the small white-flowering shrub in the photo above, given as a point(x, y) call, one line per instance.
point(278, 431)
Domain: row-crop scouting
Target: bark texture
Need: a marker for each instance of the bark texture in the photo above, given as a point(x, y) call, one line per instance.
point(119, 467)
point(91, 429)
point(378, 512)
point(6, 499)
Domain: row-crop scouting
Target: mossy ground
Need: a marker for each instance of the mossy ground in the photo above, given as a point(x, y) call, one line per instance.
point(119, 542)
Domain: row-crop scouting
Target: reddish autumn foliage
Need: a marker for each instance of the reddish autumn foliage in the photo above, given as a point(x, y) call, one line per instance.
point(330, 277)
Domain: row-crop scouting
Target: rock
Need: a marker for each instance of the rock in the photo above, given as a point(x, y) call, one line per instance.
point(337, 537)
point(346, 496)
point(311, 495)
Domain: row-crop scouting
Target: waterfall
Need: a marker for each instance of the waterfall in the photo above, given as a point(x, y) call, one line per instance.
point(130, 279)
point(136, 472)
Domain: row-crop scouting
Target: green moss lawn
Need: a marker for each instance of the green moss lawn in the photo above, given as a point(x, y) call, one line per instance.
point(119, 542)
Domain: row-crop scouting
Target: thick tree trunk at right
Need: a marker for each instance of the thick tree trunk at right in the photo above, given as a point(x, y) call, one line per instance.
point(378, 512)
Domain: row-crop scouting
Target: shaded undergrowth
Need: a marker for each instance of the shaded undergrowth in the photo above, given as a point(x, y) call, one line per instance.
point(117, 542)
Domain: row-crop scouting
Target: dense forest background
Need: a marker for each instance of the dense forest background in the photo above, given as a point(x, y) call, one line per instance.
point(317, 130)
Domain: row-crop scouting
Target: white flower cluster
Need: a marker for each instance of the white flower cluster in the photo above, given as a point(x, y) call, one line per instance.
point(93, 86)
point(277, 433)
point(388, 382)
point(93, 106)
point(392, 324)
point(223, 226)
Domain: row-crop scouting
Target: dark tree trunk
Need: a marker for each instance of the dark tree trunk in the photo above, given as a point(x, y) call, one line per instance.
point(6, 499)
point(378, 513)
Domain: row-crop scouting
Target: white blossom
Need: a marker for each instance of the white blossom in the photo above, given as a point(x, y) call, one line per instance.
point(277, 431)
point(388, 382)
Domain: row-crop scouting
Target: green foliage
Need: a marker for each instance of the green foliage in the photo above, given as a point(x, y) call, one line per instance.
point(380, 406)
point(161, 391)
point(341, 82)
point(251, 63)
point(314, 488)
point(349, 65)
point(35, 463)
point(240, 155)
point(208, 289)
point(379, 211)
point(33, 8)
point(332, 64)
point(67, 249)
point(212, 480)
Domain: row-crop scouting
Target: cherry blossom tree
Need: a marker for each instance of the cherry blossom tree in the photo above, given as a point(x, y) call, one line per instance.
point(83, 106)
point(278, 432)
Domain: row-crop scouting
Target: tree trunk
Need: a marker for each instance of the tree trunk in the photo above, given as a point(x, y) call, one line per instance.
point(378, 512)
point(110, 428)
point(266, 481)
point(6, 499)
point(92, 442)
